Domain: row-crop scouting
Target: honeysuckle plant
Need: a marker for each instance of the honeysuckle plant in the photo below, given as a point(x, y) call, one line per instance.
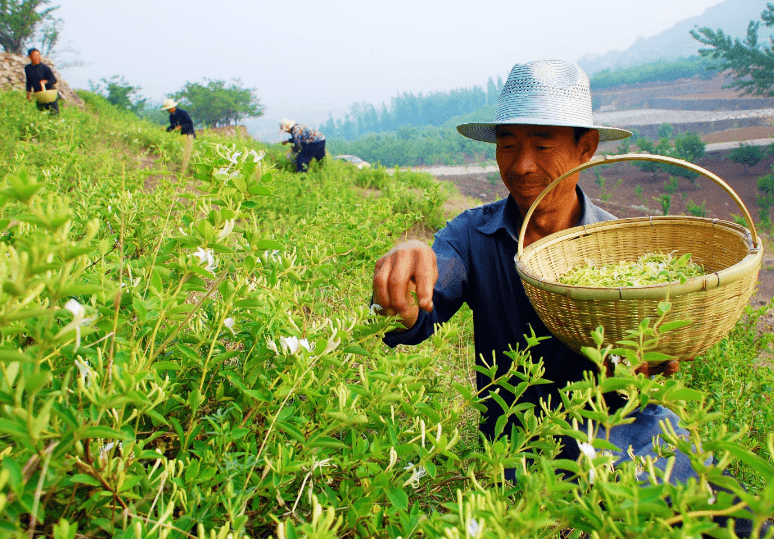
point(190, 352)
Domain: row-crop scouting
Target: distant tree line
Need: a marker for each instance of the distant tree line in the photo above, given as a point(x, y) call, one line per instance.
point(210, 105)
point(657, 71)
point(408, 109)
point(414, 146)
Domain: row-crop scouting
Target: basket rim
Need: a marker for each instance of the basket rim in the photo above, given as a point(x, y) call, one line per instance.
point(750, 263)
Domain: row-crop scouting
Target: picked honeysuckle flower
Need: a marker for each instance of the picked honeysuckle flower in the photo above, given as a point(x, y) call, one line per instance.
point(229, 323)
point(79, 320)
point(256, 156)
point(206, 257)
point(228, 227)
point(291, 345)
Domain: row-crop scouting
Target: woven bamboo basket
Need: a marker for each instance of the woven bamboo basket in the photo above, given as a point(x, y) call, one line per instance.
point(730, 253)
point(46, 96)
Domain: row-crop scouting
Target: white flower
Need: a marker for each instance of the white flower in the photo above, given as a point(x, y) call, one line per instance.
point(256, 156)
point(79, 320)
point(228, 227)
point(473, 527)
point(418, 473)
point(107, 447)
point(84, 371)
point(587, 449)
point(206, 257)
point(229, 323)
point(292, 344)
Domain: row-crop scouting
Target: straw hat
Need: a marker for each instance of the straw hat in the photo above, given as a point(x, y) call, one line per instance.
point(168, 104)
point(286, 125)
point(545, 92)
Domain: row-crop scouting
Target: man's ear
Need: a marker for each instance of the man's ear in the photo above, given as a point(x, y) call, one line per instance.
point(588, 144)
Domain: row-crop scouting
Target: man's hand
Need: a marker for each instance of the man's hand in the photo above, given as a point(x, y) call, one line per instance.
point(667, 368)
point(29, 96)
point(408, 269)
point(178, 127)
point(43, 84)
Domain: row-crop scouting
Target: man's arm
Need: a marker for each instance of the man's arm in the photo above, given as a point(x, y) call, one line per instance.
point(404, 279)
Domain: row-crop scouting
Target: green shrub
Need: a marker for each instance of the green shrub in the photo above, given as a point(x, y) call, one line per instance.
point(747, 155)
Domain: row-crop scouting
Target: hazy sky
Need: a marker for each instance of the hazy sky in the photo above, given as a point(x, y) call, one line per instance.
point(309, 58)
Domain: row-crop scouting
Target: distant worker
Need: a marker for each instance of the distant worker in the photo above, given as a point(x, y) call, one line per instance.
point(40, 78)
point(308, 142)
point(179, 120)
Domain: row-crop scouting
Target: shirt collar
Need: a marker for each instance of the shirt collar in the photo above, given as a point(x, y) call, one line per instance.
point(504, 214)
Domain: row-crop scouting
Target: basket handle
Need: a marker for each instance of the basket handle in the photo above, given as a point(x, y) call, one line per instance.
point(606, 159)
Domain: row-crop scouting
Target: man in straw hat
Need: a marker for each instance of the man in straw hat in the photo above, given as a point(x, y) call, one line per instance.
point(179, 120)
point(543, 127)
point(308, 143)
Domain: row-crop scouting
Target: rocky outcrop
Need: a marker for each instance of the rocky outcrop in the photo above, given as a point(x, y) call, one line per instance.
point(12, 77)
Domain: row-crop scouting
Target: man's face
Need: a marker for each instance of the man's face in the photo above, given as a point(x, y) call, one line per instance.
point(171, 109)
point(530, 157)
point(35, 57)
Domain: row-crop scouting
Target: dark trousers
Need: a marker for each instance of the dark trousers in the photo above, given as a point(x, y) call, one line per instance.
point(53, 106)
point(309, 151)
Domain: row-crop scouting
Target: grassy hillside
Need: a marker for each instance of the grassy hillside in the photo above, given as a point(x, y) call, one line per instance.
point(188, 351)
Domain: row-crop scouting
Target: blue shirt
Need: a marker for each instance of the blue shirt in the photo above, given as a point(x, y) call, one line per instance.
point(183, 119)
point(476, 266)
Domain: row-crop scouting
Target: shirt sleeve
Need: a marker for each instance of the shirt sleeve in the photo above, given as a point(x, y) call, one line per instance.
point(50, 77)
point(451, 247)
point(29, 79)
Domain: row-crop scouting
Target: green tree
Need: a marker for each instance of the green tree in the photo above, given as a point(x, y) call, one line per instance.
point(119, 93)
point(751, 62)
point(747, 155)
point(19, 21)
point(666, 131)
point(216, 104)
point(689, 147)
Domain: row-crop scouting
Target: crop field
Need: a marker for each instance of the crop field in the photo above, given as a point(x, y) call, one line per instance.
point(189, 351)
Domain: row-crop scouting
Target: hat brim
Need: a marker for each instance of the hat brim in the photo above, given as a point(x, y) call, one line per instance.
point(485, 132)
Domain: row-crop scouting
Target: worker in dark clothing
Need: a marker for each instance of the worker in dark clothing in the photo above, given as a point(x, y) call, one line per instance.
point(179, 120)
point(40, 78)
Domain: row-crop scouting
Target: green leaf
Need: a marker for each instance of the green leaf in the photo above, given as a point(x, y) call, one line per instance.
point(357, 350)
point(684, 394)
point(9, 356)
point(327, 441)
point(167, 366)
point(657, 357)
point(675, 324)
point(291, 431)
point(84, 479)
point(268, 245)
point(399, 498)
point(99, 431)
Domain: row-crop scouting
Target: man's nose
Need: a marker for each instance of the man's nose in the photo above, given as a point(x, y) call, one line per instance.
point(523, 162)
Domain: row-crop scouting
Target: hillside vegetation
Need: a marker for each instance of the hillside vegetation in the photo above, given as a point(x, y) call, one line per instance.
point(190, 352)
